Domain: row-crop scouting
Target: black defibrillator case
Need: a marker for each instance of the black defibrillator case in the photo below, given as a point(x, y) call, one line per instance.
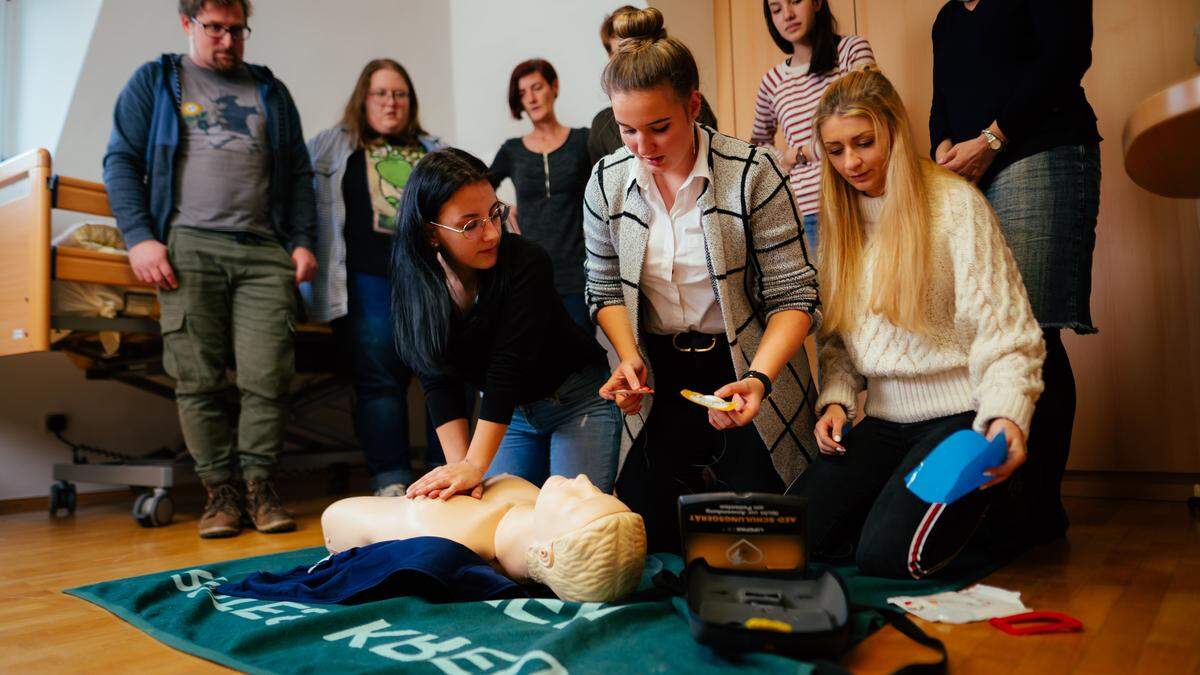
point(747, 580)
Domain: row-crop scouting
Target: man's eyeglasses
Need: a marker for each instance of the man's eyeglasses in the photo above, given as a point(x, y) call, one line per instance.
point(383, 95)
point(217, 31)
point(473, 228)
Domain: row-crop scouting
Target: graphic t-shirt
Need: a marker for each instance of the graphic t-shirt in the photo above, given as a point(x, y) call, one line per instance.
point(223, 171)
point(372, 186)
point(388, 168)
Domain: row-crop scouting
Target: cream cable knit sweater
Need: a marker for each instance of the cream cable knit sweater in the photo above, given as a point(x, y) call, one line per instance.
point(984, 350)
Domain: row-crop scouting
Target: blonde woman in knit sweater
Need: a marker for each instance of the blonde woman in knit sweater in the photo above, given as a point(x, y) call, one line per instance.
point(927, 312)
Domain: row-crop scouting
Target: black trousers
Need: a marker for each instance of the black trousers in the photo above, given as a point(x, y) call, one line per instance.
point(678, 452)
point(1027, 509)
point(859, 510)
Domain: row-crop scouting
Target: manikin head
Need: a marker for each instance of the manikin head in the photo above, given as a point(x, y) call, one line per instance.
point(587, 546)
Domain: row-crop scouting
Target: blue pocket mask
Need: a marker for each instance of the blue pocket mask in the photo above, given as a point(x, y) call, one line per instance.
point(956, 466)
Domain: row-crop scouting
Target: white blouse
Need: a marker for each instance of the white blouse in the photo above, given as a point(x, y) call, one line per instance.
point(675, 277)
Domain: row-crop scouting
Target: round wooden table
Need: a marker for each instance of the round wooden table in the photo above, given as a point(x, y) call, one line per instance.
point(1162, 141)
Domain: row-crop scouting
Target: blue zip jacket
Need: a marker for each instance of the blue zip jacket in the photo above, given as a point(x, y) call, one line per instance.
point(139, 165)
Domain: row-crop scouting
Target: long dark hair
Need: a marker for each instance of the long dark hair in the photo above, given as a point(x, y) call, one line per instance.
point(421, 302)
point(354, 117)
point(824, 38)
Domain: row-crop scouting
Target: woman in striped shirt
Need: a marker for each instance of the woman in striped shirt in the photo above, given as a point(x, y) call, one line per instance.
point(788, 95)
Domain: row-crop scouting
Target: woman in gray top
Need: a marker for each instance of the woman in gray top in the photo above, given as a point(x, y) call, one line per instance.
point(549, 168)
point(360, 167)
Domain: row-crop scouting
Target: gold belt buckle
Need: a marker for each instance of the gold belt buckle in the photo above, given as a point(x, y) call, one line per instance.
point(696, 350)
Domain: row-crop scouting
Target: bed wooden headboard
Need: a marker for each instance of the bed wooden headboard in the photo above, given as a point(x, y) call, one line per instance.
point(27, 263)
point(25, 254)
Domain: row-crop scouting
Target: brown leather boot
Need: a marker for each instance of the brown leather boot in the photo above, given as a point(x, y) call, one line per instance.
point(265, 509)
point(223, 513)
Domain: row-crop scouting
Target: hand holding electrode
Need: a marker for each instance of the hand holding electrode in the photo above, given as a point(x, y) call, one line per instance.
point(1016, 450)
point(629, 376)
point(747, 395)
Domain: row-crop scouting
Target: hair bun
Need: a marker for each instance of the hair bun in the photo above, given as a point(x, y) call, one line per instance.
point(641, 24)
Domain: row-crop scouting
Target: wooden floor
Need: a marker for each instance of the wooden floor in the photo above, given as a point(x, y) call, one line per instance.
point(1130, 572)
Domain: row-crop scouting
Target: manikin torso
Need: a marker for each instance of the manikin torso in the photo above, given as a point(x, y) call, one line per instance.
point(359, 521)
point(512, 515)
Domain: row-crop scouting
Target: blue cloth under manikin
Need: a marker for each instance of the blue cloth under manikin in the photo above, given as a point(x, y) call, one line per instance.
point(437, 569)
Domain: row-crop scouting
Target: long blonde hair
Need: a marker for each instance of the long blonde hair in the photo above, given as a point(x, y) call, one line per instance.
point(901, 275)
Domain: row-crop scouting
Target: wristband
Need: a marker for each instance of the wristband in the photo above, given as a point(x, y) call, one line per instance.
point(766, 381)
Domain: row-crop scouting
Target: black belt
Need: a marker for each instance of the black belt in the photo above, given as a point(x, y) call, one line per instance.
point(692, 341)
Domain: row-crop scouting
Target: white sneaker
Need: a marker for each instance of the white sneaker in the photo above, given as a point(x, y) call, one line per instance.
point(392, 490)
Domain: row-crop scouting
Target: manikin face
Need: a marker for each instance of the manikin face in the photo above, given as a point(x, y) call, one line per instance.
point(387, 102)
point(537, 96)
point(657, 127)
point(568, 504)
point(794, 18)
point(481, 248)
point(222, 54)
point(854, 149)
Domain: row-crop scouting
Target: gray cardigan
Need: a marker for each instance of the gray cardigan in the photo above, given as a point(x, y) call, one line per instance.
point(757, 262)
point(326, 297)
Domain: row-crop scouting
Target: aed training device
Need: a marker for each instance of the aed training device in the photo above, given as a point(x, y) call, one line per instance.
point(749, 587)
point(707, 400)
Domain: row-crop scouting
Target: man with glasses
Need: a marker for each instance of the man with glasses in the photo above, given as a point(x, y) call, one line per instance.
point(208, 176)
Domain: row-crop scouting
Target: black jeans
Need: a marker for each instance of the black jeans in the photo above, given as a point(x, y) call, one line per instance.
point(678, 452)
point(859, 509)
point(1027, 509)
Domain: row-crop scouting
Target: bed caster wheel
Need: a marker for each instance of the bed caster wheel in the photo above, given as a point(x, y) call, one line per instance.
point(62, 496)
point(154, 509)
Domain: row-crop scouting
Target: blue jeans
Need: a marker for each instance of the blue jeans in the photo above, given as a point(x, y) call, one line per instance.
point(811, 233)
point(572, 432)
point(380, 384)
point(1047, 205)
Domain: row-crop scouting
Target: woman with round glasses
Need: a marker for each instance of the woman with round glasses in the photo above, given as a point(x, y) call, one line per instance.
point(474, 305)
point(360, 167)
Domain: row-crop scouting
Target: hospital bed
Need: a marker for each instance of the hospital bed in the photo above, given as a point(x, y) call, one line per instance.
point(31, 268)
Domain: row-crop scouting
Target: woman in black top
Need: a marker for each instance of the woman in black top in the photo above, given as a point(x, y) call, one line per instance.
point(1009, 113)
point(475, 305)
point(549, 168)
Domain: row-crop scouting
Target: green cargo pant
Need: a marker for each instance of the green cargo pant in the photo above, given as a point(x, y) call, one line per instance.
point(234, 308)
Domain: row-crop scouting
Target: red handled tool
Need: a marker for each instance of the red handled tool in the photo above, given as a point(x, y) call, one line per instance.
point(1035, 623)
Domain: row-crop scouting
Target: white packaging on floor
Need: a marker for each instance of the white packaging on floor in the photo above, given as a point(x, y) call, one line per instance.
point(975, 603)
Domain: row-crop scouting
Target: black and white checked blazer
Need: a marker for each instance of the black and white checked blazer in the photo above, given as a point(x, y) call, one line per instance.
point(757, 261)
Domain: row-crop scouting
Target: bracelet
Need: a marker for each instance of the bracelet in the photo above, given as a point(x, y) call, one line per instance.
point(766, 381)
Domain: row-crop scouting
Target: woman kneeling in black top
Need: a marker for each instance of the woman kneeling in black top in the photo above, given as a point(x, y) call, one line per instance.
point(475, 305)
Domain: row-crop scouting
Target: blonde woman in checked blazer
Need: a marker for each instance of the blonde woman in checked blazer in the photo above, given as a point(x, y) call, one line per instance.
point(698, 274)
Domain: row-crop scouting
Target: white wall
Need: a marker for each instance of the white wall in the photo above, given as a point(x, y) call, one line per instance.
point(48, 39)
point(316, 47)
point(489, 38)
